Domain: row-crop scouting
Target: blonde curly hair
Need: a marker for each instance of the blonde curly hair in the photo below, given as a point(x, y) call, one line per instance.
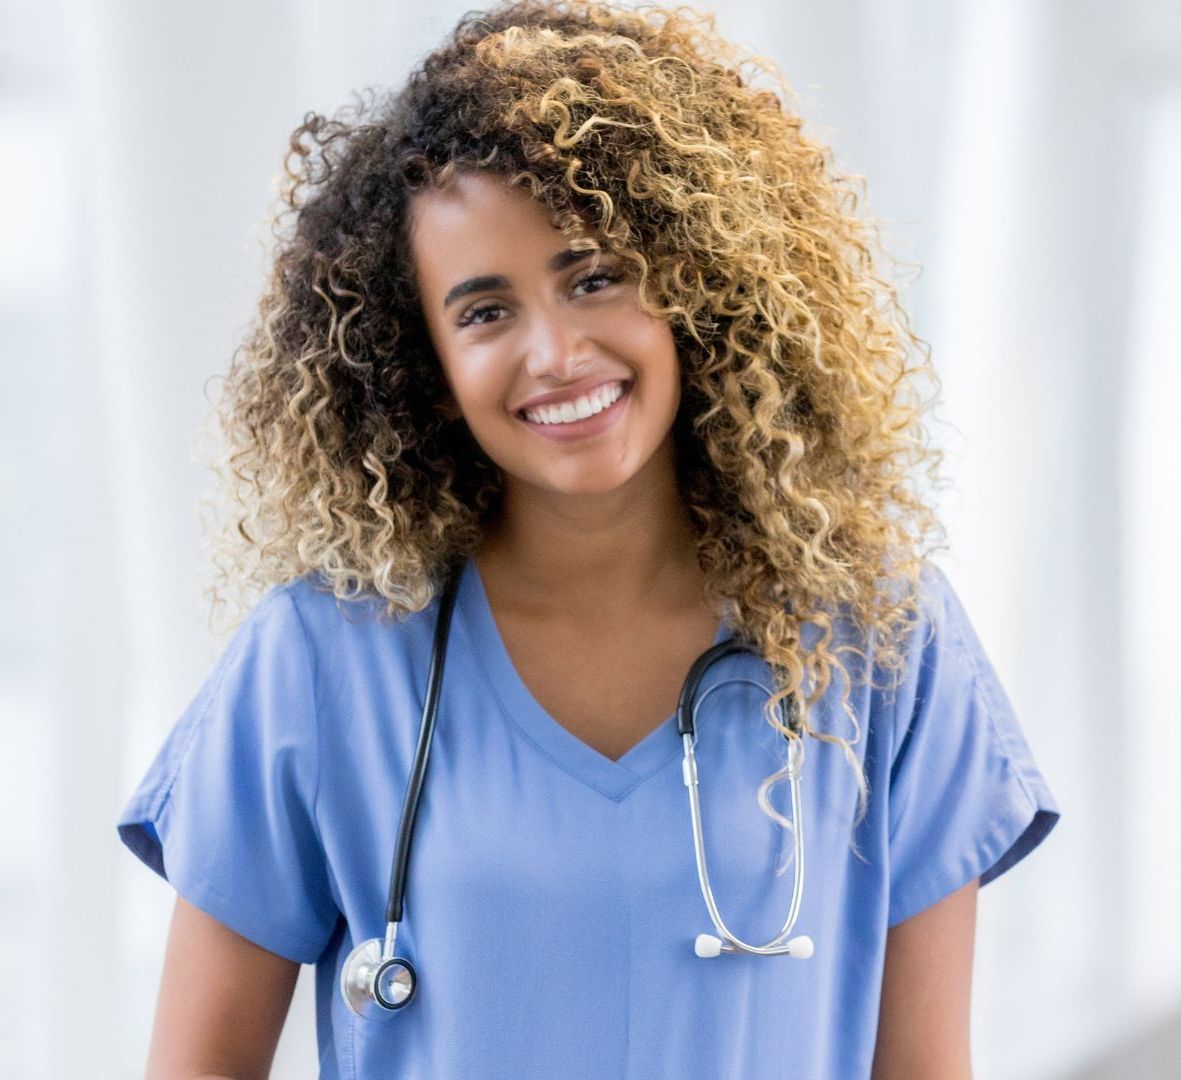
point(798, 436)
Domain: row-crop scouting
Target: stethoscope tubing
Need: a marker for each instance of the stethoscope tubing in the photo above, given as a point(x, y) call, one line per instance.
point(367, 968)
point(397, 892)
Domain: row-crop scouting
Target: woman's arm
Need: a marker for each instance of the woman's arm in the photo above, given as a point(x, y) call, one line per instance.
point(927, 991)
point(222, 1002)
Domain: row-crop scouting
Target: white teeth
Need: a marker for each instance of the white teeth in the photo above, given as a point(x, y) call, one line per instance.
point(579, 409)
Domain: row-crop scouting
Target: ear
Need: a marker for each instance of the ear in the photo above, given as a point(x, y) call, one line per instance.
point(449, 409)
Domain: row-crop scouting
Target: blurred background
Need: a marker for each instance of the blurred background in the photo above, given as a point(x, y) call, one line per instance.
point(1021, 152)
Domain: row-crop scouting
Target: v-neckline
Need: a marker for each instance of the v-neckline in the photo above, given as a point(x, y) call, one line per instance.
point(612, 778)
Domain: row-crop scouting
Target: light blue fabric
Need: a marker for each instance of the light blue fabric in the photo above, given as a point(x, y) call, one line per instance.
point(553, 897)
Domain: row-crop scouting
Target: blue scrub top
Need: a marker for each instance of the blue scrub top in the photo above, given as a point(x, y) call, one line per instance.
point(552, 899)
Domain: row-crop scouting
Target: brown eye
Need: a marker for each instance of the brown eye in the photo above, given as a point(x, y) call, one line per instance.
point(606, 276)
point(471, 317)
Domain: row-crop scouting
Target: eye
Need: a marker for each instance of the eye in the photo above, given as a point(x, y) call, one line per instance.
point(472, 317)
point(608, 277)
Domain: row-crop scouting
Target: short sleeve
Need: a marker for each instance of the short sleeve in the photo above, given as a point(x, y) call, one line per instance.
point(226, 810)
point(966, 798)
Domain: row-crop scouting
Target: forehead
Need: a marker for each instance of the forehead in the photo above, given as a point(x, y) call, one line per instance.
point(474, 196)
point(477, 220)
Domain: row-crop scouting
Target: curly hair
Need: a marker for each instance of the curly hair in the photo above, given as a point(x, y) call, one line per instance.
point(798, 434)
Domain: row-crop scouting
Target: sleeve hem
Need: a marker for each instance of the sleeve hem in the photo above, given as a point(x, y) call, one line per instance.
point(141, 835)
point(1009, 842)
point(144, 828)
point(209, 900)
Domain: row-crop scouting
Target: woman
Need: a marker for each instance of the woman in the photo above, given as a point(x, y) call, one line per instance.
point(581, 317)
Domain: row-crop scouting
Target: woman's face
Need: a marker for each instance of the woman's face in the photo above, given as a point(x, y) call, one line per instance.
point(565, 382)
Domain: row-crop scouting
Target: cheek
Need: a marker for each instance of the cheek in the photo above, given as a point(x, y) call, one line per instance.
point(469, 380)
point(648, 340)
point(661, 362)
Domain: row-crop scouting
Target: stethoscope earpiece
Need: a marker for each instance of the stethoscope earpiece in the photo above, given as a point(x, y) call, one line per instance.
point(707, 946)
point(372, 986)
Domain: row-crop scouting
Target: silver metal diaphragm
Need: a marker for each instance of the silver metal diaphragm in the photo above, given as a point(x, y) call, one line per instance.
point(373, 987)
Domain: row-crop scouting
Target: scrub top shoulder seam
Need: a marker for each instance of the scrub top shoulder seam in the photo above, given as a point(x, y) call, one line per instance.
point(982, 692)
point(311, 671)
point(231, 653)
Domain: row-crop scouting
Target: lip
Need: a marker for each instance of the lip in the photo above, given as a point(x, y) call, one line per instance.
point(592, 425)
point(570, 393)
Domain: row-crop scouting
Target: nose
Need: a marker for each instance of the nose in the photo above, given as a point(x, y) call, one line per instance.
point(556, 346)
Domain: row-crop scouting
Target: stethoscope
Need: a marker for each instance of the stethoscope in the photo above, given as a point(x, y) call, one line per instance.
point(374, 981)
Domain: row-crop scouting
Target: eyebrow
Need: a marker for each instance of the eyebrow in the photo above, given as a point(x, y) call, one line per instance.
point(484, 282)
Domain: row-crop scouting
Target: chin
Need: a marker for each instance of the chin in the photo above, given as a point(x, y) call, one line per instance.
point(588, 482)
point(597, 486)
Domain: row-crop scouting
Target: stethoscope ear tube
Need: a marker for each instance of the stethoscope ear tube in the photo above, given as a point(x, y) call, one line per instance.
point(708, 946)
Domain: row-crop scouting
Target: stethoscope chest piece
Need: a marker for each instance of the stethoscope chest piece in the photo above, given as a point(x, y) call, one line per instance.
point(372, 985)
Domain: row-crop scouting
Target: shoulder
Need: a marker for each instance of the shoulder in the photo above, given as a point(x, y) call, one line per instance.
point(300, 625)
point(311, 597)
point(946, 690)
point(351, 645)
point(927, 612)
point(931, 660)
point(307, 605)
point(936, 627)
point(943, 637)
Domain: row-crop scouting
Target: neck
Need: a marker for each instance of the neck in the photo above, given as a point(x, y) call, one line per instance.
point(606, 553)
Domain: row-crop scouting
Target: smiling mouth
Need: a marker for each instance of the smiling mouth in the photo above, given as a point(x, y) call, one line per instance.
point(625, 389)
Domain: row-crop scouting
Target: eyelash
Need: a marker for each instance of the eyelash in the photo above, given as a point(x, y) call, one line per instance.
point(468, 317)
